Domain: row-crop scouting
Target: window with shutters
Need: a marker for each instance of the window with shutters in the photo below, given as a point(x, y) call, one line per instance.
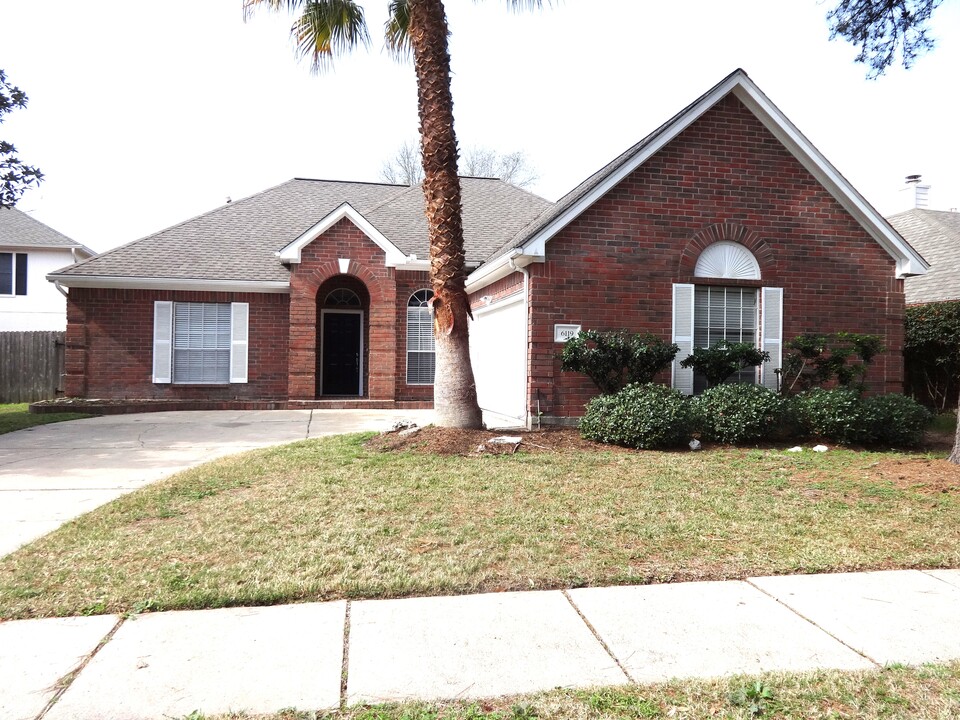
point(201, 343)
point(421, 359)
point(736, 312)
point(13, 273)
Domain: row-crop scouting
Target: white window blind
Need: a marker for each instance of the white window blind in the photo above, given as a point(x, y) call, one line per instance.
point(725, 313)
point(201, 343)
point(421, 356)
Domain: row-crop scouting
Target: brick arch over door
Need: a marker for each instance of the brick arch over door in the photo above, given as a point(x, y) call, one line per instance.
point(380, 329)
point(730, 232)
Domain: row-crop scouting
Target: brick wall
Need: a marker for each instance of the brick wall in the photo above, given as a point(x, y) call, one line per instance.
point(109, 351)
point(724, 178)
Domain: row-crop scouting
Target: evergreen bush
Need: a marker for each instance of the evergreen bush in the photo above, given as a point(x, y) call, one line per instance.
point(644, 416)
point(737, 413)
point(836, 415)
point(895, 420)
point(614, 360)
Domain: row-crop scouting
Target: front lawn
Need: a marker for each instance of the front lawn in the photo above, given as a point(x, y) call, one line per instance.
point(333, 518)
point(16, 416)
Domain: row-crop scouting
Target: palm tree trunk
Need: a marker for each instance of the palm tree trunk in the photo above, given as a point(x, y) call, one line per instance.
point(454, 390)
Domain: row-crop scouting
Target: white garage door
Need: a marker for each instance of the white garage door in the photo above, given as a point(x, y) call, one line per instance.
point(498, 351)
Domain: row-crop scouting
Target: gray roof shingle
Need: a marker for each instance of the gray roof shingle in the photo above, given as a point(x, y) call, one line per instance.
point(17, 229)
point(935, 234)
point(238, 241)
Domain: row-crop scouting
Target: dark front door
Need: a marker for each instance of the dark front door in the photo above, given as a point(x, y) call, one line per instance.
point(342, 353)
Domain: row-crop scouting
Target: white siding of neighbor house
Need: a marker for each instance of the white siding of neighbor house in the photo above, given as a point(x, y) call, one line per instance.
point(498, 353)
point(43, 307)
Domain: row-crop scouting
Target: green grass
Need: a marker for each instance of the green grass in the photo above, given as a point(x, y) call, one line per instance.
point(330, 518)
point(929, 692)
point(944, 423)
point(16, 416)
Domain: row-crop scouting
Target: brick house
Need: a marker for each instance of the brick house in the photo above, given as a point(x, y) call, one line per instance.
point(725, 222)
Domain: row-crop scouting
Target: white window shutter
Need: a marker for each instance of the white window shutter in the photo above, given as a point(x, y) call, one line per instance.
point(682, 378)
point(239, 341)
point(162, 341)
point(772, 338)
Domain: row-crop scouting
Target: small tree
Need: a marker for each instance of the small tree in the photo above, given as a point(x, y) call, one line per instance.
point(15, 176)
point(723, 359)
point(818, 360)
point(613, 360)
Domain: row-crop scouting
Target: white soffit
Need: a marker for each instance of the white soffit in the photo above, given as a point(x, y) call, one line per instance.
point(160, 283)
point(291, 253)
point(744, 89)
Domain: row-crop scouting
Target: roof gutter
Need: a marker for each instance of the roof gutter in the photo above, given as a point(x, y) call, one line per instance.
point(500, 268)
point(154, 283)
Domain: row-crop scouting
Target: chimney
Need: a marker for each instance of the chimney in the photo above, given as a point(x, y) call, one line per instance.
point(920, 192)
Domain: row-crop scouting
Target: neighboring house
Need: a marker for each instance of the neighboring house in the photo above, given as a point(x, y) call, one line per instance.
point(723, 223)
point(29, 250)
point(935, 234)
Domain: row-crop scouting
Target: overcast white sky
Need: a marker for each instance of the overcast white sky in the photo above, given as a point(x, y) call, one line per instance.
point(143, 114)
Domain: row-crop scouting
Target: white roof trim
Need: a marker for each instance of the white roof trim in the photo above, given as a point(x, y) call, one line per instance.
point(154, 283)
point(291, 253)
point(908, 260)
point(499, 268)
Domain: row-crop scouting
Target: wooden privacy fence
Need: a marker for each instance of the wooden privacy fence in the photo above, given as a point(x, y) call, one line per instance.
point(31, 365)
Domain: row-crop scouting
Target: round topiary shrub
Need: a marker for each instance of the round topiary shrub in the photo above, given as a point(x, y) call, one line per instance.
point(836, 415)
point(639, 416)
point(737, 413)
point(895, 420)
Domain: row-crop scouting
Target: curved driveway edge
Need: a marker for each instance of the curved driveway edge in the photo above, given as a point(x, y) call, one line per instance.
point(53, 473)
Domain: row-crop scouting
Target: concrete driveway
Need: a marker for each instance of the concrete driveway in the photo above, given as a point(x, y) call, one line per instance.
point(53, 473)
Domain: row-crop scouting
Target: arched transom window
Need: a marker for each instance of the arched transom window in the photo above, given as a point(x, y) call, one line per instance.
point(343, 297)
point(727, 260)
point(421, 358)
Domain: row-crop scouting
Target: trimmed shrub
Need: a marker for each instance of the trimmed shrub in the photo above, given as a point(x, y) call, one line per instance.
point(723, 359)
point(895, 420)
point(639, 416)
point(836, 415)
point(817, 360)
point(737, 413)
point(614, 360)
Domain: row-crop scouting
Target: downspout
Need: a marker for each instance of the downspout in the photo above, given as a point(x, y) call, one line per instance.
point(56, 284)
point(526, 322)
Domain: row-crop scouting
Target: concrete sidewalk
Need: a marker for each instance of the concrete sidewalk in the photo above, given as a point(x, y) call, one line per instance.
point(52, 473)
point(321, 655)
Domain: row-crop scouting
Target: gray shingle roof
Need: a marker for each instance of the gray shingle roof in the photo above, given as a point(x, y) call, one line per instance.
point(17, 229)
point(238, 241)
point(493, 212)
point(935, 234)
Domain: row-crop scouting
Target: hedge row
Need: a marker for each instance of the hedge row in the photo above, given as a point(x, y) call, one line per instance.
point(654, 416)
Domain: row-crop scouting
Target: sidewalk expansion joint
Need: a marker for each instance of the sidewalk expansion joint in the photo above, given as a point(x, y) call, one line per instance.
point(593, 631)
point(818, 627)
point(309, 424)
point(64, 683)
point(945, 582)
point(345, 663)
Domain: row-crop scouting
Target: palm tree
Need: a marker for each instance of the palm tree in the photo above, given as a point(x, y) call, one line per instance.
point(327, 28)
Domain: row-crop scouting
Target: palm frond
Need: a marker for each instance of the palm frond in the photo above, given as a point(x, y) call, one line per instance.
point(249, 6)
point(518, 5)
point(397, 29)
point(327, 28)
